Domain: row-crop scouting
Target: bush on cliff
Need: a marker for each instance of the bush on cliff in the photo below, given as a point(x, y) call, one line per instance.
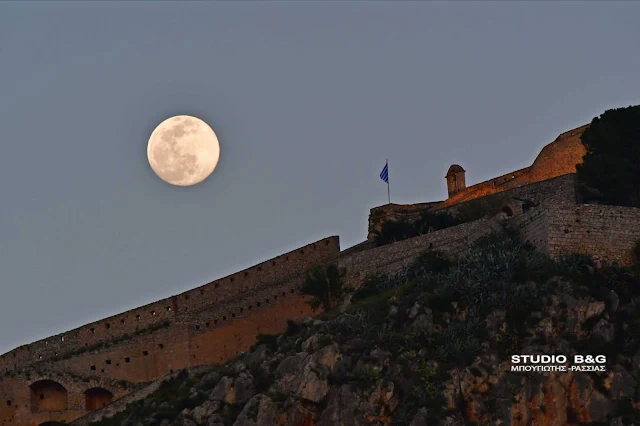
point(325, 285)
point(398, 230)
point(610, 172)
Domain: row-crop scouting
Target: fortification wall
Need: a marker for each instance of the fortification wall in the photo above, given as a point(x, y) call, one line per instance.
point(560, 191)
point(34, 398)
point(608, 233)
point(157, 314)
point(410, 212)
point(211, 329)
point(534, 227)
point(392, 258)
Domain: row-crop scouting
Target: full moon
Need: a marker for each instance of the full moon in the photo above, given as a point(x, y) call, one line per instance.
point(183, 150)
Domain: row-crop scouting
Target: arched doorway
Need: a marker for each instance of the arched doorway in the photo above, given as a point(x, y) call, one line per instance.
point(97, 398)
point(47, 395)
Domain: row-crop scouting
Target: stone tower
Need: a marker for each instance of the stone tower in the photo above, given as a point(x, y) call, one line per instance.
point(455, 180)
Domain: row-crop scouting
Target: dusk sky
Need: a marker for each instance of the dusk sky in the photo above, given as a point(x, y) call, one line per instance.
point(308, 99)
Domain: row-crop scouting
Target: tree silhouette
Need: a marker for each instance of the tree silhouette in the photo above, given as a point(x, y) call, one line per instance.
point(610, 172)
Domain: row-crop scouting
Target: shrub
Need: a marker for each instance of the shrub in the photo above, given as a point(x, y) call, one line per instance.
point(325, 285)
point(610, 167)
point(398, 230)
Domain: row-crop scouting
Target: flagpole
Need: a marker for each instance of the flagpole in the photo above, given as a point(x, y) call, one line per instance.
point(388, 190)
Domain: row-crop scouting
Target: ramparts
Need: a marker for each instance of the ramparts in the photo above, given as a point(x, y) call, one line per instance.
point(66, 376)
point(607, 233)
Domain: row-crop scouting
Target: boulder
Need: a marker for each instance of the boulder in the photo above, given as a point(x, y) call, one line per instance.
point(604, 330)
point(202, 413)
point(299, 375)
point(259, 411)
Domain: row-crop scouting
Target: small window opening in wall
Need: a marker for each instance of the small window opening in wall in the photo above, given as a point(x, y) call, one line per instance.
point(41, 396)
point(46, 342)
point(93, 331)
point(241, 309)
point(108, 362)
point(153, 313)
point(168, 308)
point(215, 321)
point(224, 318)
point(197, 327)
point(246, 274)
point(107, 326)
point(275, 296)
point(291, 291)
point(250, 307)
point(207, 324)
point(233, 315)
point(231, 279)
point(8, 403)
point(122, 321)
point(284, 294)
point(186, 296)
point(273, 263)
point(216, 285)
point(301, 251)
point(127, 359)
point(137, 317)
point(266, 300)
point(258, 304)
point(161, 345)
point(62, 339)
point(145, 353)
point(286, 258)
point(102, 370)
point(93, 368)
point(326, 243)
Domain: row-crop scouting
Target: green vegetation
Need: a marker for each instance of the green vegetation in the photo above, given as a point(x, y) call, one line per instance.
point(397, 230)
point(325, 285)
point(610, 171)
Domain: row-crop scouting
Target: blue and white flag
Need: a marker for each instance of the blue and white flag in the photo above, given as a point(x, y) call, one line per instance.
point(385, 173)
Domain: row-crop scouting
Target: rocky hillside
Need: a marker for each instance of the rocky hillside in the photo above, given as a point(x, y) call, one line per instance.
point(432, 346)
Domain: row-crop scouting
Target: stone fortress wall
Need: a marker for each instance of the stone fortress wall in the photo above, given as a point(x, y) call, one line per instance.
point(67, 376)
point(607, 233)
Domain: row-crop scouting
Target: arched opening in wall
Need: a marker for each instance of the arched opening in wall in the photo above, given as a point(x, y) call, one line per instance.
point(506, 211)
point(47, 395)
point(97, 398)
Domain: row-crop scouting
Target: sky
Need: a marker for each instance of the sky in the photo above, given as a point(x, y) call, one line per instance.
point(308, 100)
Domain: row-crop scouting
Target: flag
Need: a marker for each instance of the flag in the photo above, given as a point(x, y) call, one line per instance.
point(385, 173)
